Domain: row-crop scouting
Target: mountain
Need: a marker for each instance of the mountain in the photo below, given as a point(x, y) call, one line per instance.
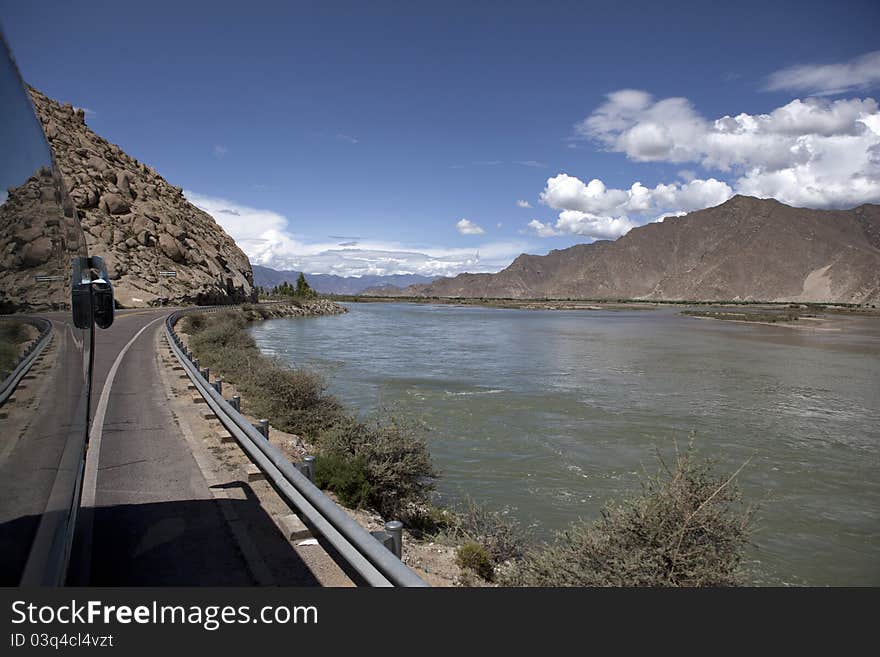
point(331, 284)
point(744, 249)
point(139, 223)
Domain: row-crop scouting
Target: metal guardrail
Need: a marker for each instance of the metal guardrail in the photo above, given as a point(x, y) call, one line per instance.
point(34, 349)
point(372, 560)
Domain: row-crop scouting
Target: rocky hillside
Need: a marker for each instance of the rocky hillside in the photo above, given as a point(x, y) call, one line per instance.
point(745, 249)
point(140, 223)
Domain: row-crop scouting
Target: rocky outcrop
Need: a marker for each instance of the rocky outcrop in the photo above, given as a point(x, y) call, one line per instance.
point(746, 249)
point(138, 222)
point(313, 308)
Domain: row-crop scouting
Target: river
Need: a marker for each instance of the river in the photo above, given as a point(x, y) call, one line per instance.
point(554, 413)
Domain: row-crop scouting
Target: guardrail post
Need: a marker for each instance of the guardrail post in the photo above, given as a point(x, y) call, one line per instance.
point(206, 374)
point(263, 427)
point(236, 402)
point(308, 468)
point(218, 385)
point(395, 530)
point(195, 362)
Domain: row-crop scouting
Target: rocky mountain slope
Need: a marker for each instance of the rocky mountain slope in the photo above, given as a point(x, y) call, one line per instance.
point(745, 249)
point(139, 223)
point(332, 284)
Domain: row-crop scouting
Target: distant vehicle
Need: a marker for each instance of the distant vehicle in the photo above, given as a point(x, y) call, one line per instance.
point(52, 294)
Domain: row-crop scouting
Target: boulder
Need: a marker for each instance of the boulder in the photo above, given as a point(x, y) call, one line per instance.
point(95, 163)
point(122, 184)
point(115, 204)
point(170, 247)
point(37, 252)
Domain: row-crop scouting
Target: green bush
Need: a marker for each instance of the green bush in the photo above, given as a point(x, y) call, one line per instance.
point(345, 477)
point(472, 556)
point(396, 458)
point(688, 527)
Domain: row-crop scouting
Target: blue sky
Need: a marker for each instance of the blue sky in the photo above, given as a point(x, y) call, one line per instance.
point(355, 138)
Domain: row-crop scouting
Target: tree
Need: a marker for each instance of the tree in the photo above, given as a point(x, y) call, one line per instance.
point(303, 290)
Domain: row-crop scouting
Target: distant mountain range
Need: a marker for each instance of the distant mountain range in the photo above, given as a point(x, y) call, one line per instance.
point(331, 284)
point(745, 249)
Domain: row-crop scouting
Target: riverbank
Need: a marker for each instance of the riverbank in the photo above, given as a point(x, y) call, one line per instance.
point(305, 420)
point(378, 466)
point(613, 304)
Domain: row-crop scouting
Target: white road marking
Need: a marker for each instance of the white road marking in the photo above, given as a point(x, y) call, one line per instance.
point(90, 475)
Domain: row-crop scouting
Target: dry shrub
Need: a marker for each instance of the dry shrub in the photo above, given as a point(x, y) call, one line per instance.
point(688, 527)
point(499, 534)
point(294, 400)
point(473, 556)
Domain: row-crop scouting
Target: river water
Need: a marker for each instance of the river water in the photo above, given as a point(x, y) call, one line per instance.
point(554, 413)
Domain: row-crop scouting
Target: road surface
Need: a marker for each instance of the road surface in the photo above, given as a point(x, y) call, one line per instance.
point(149, 517)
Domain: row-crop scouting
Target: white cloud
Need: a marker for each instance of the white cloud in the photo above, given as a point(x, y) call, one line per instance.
point(267, 240)
point(523, 204)
point(541, 229)
point(858, 74)
point(220, 150)
point(594, 210)
point(809, 152)
point(564, 192)
point(468, 227)
point(348, 138)
point(575, 222)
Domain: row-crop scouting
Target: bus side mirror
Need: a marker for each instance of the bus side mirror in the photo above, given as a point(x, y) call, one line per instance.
point(102, 294)
point(91, 298)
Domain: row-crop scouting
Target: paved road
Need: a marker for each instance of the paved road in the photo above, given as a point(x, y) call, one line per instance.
point(155, 521)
